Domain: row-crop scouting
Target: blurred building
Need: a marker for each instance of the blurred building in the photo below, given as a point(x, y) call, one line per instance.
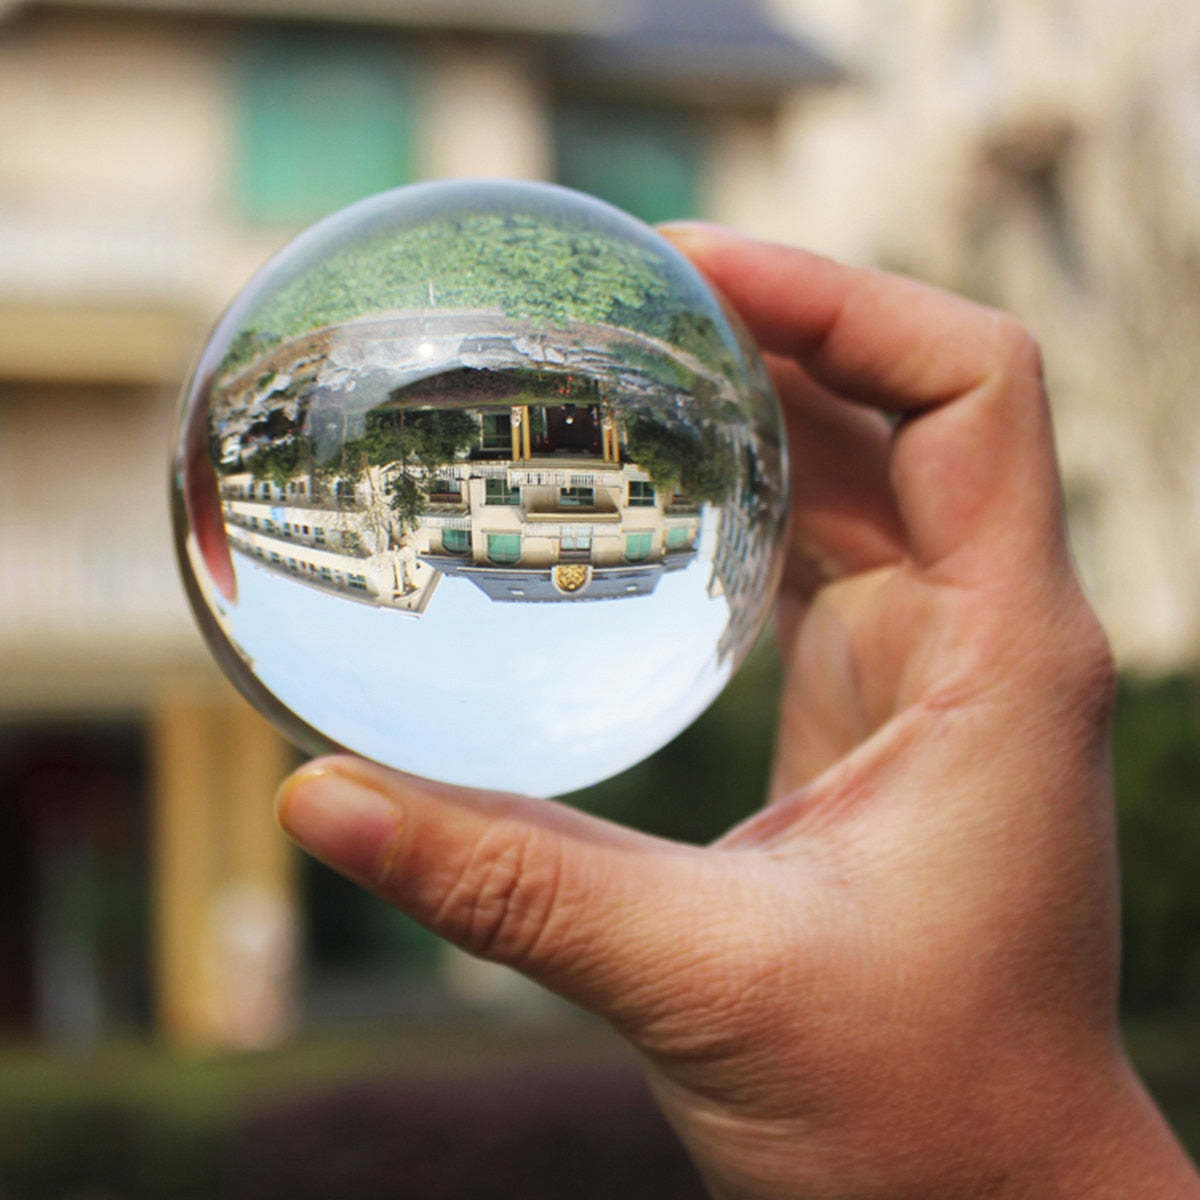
point(1044, 156)
point(152, 155)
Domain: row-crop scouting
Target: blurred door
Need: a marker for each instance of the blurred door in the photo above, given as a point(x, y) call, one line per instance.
point(72, 881)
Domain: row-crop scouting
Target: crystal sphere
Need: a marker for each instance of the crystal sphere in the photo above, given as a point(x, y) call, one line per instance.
point(480, 480)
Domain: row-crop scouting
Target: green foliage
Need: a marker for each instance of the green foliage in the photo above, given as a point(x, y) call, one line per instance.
point(439, 435)
point(277, 462)
point(408, 500)
point(697, 333)
point(384, 439)
point(660, 450)
point(431, 436)
point(249, 344)
point(669, 372)
point(108, 1149)
point(713, 474)
point(1157, 763)
point(527, 266)
point(701, 463)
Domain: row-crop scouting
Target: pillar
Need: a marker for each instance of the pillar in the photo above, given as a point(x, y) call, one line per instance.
point(612, 440)
point(227, 916)
point(515, 430)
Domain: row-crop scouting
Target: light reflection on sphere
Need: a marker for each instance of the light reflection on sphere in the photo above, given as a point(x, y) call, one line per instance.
point(481, 481)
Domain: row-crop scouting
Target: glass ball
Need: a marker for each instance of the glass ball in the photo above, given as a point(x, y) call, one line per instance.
point(482, 481)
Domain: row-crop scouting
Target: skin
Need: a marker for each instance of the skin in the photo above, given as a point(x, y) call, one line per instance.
point(898, 979)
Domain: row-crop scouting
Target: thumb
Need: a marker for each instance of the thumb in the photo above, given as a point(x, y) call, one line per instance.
point(596, 912)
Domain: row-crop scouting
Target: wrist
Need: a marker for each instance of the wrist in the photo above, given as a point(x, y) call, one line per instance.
point(1103, 1140)
point(1127, 1152)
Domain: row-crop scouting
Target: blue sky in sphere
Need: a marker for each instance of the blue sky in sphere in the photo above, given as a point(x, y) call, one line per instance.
point(538, 698)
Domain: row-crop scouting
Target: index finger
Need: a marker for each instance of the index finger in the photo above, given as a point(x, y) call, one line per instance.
point(973, 464)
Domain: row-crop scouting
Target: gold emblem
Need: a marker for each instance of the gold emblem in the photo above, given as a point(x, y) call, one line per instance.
point(571, 577)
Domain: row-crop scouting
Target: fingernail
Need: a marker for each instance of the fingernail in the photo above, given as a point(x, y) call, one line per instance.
point(339, 819)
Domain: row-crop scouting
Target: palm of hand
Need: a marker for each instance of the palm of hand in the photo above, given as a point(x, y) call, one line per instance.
point(851, 993)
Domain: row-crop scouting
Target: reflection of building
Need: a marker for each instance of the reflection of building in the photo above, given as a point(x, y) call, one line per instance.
point(537, 529)
point(332, 545)
point(742, 564)
point(557, 524)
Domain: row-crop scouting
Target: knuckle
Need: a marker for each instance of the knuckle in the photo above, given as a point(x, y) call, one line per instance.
point(501, 903)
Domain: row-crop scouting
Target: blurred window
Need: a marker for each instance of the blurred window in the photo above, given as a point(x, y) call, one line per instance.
point(641, 493)
point(456, 541)
point(644, 160)
point(323, 120)
point(637, 546)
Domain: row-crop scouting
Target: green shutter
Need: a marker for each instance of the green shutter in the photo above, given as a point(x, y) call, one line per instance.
point(637, 546)
point(644, 160)
point(504, 547)
point(323, 120)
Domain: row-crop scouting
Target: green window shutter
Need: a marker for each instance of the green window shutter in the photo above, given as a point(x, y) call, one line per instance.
point(504, 547)
point(456, 541)
point(323, 120)
point(637, 546)
point(644, 160)
point(677, 537)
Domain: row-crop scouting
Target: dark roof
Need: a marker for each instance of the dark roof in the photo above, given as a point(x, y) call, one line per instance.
point(539, 17)
point(706, 51)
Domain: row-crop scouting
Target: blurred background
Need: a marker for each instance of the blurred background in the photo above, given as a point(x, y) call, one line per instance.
point(186, 1008)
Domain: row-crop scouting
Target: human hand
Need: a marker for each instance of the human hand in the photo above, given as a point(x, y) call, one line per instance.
point(898, 978)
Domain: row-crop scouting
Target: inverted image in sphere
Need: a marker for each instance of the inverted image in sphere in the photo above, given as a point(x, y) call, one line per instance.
point(480, 480)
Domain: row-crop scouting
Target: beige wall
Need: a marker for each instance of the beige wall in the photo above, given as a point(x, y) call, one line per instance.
point(927, 163)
